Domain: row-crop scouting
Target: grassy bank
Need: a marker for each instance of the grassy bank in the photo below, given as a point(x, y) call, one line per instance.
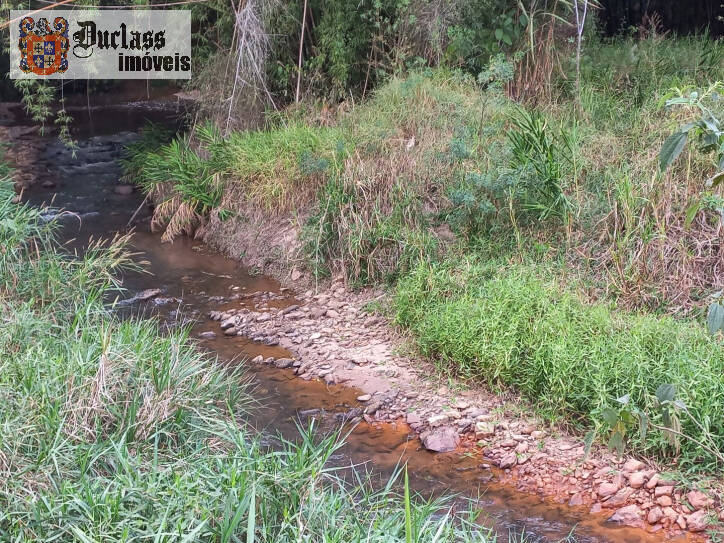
point(438, 169)
point(505, 325)
point(112, 431)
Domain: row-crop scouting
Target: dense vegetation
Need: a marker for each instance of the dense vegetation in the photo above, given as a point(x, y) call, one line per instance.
point(112, 431)
point(468, 187)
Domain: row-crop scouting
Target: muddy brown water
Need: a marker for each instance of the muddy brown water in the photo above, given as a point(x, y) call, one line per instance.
point(195, 280)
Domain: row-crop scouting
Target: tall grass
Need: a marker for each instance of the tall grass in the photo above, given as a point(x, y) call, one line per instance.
point(112, 431)
point(505, 325)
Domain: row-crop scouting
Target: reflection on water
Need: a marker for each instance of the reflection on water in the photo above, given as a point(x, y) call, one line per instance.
point(203, 281)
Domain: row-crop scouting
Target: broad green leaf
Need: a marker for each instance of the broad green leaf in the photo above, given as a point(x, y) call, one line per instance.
point(665, 393)
point(643, 424)
point(715, 180)
point(715, 318)
point(610, 416)
point(615, 443)
point(671, 149)
point(691, 212)
point(498, 33)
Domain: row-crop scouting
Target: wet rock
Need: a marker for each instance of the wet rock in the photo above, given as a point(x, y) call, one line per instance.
point(620, 498)
point(655, 515)
point(207, 335)
point(444, 439)
point(576, 500)
point(283, 363)
point(48, 184)
point(508, 461)
point(230, 331)
point(698, 521)
point(414, 418)
point(628, 516)
point(364, 398)
point(123, 190)
point(228, 323)
point(258, 359)
point(698, 500)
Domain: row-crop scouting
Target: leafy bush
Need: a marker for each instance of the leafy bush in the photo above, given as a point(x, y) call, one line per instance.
point(503, 325)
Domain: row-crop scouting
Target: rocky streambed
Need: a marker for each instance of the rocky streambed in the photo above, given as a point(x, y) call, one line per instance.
point(331, 336)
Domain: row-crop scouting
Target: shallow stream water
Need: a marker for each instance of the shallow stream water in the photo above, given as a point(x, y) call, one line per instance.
point(195, 280)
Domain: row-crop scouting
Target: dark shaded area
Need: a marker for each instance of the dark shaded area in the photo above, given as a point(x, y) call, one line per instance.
point(680, 16)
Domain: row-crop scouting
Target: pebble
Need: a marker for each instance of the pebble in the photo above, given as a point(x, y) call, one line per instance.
point(364, 398)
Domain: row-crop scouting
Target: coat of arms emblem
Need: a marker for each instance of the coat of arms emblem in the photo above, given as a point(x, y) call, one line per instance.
point(43, 50)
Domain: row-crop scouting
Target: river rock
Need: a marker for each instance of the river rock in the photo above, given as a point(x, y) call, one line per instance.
point(123, 190)
point(607, 489)
point(655, 515)
point(230, 331)
point(632, 465)
point(207, 335)
point(663, 491)
point(484, 429)
point(698, 521)
point(629, 516)
point(364, 398)
point(619, 498)
point(664, 501)
point(698, 500)
point(637, 479)
point(283, 363)
point(508, 461)
point(258, 359)
point(444, 439)
point(437, 420)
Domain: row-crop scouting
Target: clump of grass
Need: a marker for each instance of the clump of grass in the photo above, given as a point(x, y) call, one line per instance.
point(504, 325)
point(112, 431)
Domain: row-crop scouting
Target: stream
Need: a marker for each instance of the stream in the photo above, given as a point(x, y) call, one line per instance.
point(194, 280)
